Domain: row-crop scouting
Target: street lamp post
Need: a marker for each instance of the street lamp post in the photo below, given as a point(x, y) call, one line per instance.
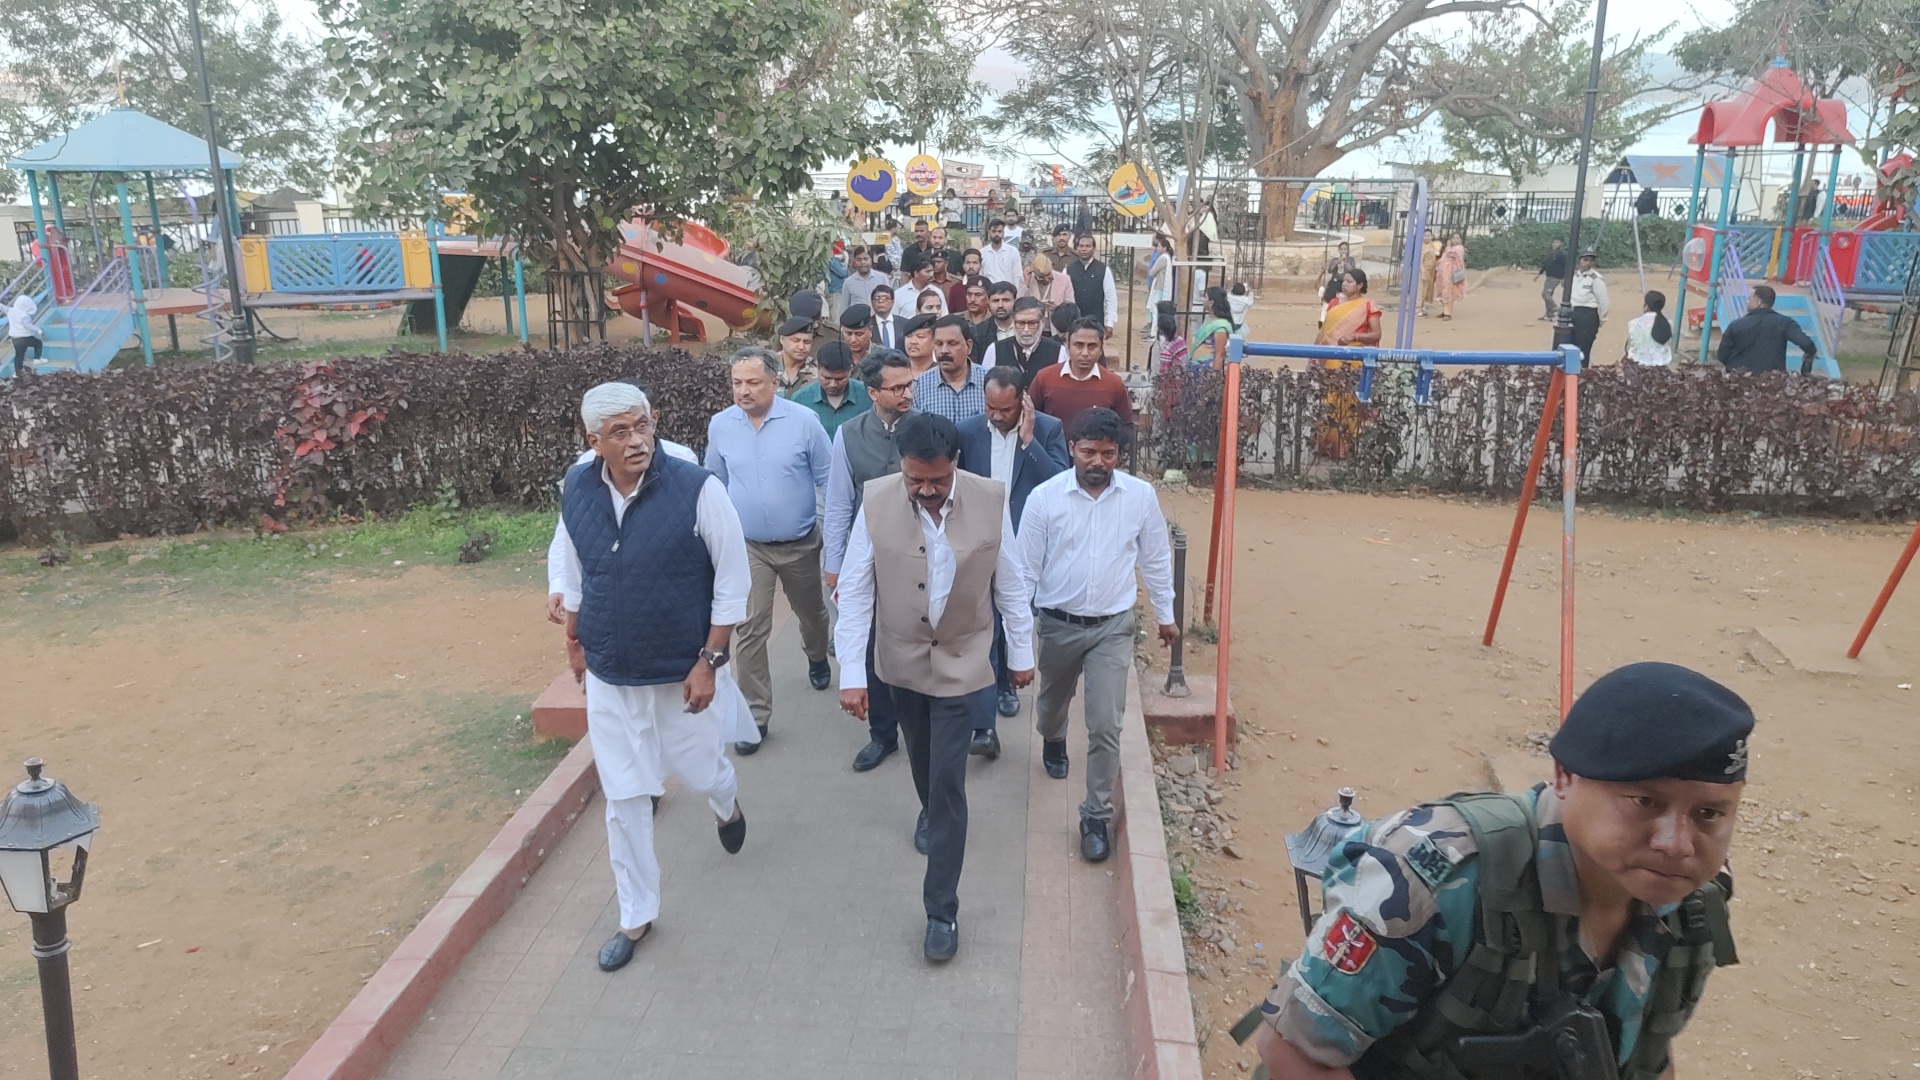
point(42, 825)
point(1563, 319)
point(239, 321)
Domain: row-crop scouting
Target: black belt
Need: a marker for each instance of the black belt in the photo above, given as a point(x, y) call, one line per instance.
point(1078, 620)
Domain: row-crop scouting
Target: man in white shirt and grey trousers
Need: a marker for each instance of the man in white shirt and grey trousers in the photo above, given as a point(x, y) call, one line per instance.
point(929, 560)
point(1083, 534)
point(654, 578)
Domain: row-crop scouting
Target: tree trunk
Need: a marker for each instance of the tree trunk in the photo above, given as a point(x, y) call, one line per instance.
point(1285, 126)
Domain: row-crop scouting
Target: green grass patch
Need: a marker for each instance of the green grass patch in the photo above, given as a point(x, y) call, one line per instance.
point(1185, 900)
point(492, 741)
point(214, 567)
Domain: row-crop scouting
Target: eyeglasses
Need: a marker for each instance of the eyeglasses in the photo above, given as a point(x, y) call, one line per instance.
point(624, 434)
point(904, 388)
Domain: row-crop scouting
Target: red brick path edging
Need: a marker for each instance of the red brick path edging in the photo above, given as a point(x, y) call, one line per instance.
point(358, 1043)
point(1162, 1041)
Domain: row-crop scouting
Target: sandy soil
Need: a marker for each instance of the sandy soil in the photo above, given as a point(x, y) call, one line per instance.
point(284, 790)
point(1357, 661)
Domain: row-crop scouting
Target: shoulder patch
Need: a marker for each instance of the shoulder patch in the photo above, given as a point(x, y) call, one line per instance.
point(1348, 945)
point(1429, 862)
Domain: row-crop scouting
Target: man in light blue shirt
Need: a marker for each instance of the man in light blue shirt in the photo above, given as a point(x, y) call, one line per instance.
point(772, 455)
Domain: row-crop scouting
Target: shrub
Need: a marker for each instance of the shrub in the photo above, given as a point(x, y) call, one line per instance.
point(1683, 438)
point(165, 450)
point(1525, 243)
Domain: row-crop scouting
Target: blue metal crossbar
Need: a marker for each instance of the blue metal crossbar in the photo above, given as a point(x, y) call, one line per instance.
point(1566, 358)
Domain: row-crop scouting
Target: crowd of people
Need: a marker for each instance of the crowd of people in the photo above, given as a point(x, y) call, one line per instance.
point(939, 497)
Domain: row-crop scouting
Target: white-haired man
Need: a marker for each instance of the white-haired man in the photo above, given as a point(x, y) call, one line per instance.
point(654, 575)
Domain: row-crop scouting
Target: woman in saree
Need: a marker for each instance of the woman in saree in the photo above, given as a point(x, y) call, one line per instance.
point(1210, 341)
point(1351, 319)
point(1450, 275)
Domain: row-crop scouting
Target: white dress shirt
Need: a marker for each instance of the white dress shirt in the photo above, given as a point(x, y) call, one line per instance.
point(715, 522)
point(555, 583)
point(1001, 263)
point(1590, 291)
point(907, 297)
point(1006, 445)
point(1011, 593)
point(1080, 551)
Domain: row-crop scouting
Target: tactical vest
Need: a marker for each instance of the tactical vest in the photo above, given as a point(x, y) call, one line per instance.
point(1514, 961)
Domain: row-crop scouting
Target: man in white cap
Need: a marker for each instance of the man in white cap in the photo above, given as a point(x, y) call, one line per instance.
point(654, 569)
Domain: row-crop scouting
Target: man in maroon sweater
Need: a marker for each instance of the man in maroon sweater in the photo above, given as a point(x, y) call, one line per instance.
point(1083, 381)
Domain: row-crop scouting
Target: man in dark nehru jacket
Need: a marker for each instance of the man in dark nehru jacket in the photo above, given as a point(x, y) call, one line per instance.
point(1582, 916)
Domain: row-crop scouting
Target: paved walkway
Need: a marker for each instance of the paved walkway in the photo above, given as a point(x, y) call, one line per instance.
point(800, 956)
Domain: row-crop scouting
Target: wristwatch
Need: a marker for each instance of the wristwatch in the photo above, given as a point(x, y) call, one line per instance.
point(715, 660)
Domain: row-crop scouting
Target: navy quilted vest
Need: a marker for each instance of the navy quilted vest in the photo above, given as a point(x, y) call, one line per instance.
point(646, 589)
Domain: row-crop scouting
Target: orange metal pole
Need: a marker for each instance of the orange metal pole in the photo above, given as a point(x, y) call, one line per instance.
point(1886, 594)
point(1541, 436)
point(1569, 476)
point(1213, 534)
point(1227, 468)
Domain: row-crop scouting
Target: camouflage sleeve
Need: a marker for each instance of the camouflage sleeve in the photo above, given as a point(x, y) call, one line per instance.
point(1398, 922)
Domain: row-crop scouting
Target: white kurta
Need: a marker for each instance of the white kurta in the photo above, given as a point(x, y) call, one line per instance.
point(631, 744)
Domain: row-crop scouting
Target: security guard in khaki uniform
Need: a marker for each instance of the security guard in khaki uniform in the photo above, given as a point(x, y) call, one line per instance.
point(1566, 933)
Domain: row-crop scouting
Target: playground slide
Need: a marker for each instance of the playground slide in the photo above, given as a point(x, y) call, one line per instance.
point(676, 280)
point(458, 276)
point(1799, 307)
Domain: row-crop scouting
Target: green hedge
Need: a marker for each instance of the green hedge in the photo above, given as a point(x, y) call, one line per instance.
point(1524, 244)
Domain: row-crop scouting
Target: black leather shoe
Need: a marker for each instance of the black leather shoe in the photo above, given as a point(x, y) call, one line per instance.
point(748, 749)
point(619, 948)
point(986, 744)
point(819, 674)
point(1093, 840)
point(943, 940)
point(1009, 704)
point(1054, 756)
point(870, 755)
point(920, 834)
point(734, 833)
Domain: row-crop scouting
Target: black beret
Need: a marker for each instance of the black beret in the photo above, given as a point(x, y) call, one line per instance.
point(806, 304)
point(921, 322)
point(1653, 721)
point(857, 317)
point(796, 325)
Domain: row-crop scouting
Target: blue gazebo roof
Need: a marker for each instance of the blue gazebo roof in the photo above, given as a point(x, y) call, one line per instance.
point(122, 140)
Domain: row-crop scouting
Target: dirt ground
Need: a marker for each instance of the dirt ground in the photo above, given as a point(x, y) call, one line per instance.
point(1357, 661)
point(286, 784)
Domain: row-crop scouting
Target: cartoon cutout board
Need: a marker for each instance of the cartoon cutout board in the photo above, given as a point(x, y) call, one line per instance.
point(1128, 189)
point(870, 184)
point(923, 174)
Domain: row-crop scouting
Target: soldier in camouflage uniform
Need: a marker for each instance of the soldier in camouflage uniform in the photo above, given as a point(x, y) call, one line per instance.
point(1624, 861)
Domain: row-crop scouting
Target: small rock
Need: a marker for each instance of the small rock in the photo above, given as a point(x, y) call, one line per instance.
point(1226, 945)
point(1246, 883)
point(1863, 890)
point(1323, 741)
point(1184, 765)
point(1231, 851)
point(1202, 971)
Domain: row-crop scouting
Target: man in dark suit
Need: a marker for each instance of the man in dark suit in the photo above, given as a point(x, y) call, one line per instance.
point(889, 330)
point(1027, 350)
point(1020, 446)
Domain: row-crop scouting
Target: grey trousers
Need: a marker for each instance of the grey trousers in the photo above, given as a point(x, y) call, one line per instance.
point(937, 731)
point(1101, 653)
point(1550, 295)
point(796, 566)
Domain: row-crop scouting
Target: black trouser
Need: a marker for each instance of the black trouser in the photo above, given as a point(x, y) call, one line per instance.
point(986, 703)
point(937, 732)
point(883, 723)
point(20, 347)
point(1586, 327)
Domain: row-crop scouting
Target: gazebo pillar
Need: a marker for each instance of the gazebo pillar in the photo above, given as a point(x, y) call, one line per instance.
point(39, 215)
point(133, 274)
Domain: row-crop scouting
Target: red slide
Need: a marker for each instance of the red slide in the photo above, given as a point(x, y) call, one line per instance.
point(667, 282)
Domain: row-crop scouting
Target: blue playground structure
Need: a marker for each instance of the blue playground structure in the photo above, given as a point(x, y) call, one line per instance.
point(92, 301)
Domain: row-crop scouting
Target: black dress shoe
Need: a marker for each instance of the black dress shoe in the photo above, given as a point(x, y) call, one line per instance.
point(1093, 840)
point(943, 940)
point(920, 834)
point(748, 749)
point(870, 755)
point(986, 744)
point(1009, 703)
point(1054, 756)
point(619, 949)
point(734, 833)
point(819, 674)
